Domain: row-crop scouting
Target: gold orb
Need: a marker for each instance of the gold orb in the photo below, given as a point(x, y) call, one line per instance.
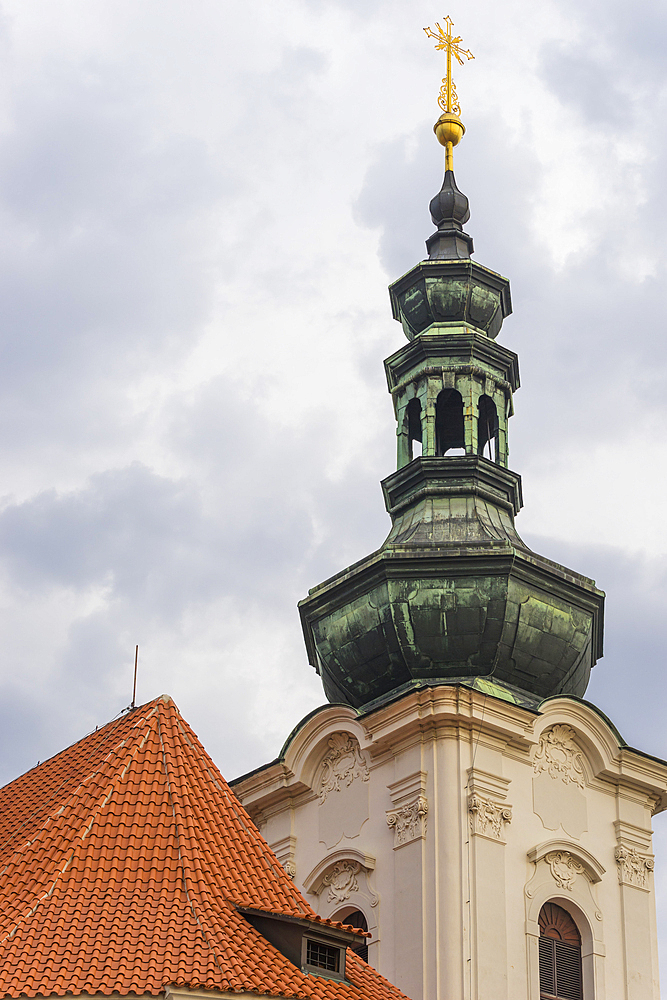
point(449, 128)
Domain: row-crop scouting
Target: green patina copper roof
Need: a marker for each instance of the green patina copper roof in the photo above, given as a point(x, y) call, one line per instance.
point(453, 595)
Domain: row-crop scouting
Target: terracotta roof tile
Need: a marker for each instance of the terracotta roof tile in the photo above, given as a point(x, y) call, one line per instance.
point(122, 862)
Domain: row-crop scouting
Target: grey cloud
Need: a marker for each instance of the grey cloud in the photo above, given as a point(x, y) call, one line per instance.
point(102, 275)
point(628, 683)
point(115, 532)
point(123, 237)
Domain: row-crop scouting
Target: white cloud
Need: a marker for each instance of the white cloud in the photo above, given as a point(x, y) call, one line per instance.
point(200, 209)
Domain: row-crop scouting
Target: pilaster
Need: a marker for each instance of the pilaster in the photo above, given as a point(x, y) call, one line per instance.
point(489, 816)
point(634, 866)
point(408, 821)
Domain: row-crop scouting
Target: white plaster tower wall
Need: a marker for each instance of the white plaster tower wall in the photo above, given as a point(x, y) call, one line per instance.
point(450, 816)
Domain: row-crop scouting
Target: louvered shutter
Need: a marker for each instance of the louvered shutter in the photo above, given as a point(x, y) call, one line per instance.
point(560, 970)
point(547, 968)
point(568, 972)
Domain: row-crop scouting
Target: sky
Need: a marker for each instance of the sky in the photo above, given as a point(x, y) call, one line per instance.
point(201, 207)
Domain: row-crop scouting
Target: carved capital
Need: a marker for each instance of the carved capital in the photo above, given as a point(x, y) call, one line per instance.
point(408, 821)
point(487, 817)
point(564, 868)
point(559, 755)
point(633, 867)
point(342, 763)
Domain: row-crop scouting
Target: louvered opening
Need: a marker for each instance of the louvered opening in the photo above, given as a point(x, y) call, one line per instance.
point(357, 919)
point(547, 968)
point(560, 960)
point(568, 972)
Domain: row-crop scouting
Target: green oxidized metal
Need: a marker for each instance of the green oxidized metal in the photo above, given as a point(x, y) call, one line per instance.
point(453, 594)
point(450, 292)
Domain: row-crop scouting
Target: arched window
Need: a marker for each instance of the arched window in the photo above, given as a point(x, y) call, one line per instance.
point(413, 416)
point(355, 918)
point(449, 433)
point(487, 429)
point(560, 955)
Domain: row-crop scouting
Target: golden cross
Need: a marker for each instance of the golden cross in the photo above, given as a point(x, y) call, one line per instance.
point(448, 100)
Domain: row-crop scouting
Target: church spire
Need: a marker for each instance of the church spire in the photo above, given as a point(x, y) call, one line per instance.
point(453, 595)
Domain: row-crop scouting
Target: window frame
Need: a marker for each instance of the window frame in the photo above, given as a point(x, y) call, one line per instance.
point(316, 970)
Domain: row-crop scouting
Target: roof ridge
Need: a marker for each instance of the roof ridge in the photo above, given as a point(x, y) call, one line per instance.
point(293, 901)
point(188, 896)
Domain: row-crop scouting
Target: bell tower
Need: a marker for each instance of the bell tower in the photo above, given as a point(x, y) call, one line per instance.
point(457, 798)
point(453, 593)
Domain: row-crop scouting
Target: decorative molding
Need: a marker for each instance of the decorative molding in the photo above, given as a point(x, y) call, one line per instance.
point(320, 876)
point(633, 836)
point(285, 850)
point(408, 821)
point(342, 881)
point(487, 785)
point(564, 868)
point(342, 763)
point(633, 867)
point(633, 855)
point(559, 755)
point(408, 788)
point(487, 817)
point(592, 867)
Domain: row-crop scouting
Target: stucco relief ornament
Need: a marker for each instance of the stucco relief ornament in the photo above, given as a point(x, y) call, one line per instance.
point(633, 867)
point(342, 881)
point(487, 817)
point(409, 821)
point(342, 764)
point(559, 755)
point(563, 868)
point(290, 868)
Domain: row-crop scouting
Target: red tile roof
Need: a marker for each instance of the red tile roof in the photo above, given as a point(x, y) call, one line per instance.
point(122, 862)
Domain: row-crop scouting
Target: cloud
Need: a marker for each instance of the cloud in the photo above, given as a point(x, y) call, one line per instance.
point(200, 211)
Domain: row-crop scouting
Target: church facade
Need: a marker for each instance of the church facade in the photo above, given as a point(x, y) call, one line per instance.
point(457, 797)
point(459, 824)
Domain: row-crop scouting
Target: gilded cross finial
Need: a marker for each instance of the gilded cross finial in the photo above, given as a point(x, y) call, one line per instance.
point(449, 129)
point(451, 44)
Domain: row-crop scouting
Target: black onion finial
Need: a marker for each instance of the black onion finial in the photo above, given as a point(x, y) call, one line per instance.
point(449, 211)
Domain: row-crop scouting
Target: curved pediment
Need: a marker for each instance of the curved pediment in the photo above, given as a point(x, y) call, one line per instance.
point(560, 852)
point(309, 742)
point(315, 881)
point(593, 735)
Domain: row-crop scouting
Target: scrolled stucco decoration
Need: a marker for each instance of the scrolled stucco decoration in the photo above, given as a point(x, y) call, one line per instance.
point(408, 821)
point(342, 763)
point(633, 867)
point(290, 868)
point(559, 755)
point(488, 817)
point(342, 881)
point(564, 868)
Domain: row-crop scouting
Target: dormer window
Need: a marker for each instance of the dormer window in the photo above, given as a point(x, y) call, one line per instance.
point(323, 957)
point(317, 948)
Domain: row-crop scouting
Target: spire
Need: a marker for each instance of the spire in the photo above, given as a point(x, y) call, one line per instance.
point(449, 208)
